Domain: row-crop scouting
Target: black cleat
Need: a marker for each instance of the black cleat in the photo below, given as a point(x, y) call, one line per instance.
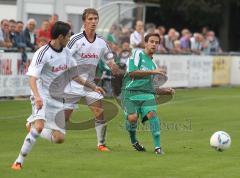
point(159, 151)
point(138, 147)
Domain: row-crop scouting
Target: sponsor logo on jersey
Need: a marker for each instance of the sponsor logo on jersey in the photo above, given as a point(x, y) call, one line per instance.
point(59, 68)
point(89, 55)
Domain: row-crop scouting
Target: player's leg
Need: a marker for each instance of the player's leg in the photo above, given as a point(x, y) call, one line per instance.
point(155, 129)
point(28, 143)
point(54, 129)
point(131, 114)
point(131, 127)
point(149, 112)
point(94, 101)
point(100, 124)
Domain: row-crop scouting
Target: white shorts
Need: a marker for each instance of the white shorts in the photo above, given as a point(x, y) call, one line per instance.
point(52, 112)
point(79, 92)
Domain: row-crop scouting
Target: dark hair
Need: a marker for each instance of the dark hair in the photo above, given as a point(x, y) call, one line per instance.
point(89, 11)
point(12, 21)
point(146, 38)
point(21, 22)
point(60, 28)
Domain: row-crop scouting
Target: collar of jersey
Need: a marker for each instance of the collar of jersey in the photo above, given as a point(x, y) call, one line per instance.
point(56, 50)
point(84, 33)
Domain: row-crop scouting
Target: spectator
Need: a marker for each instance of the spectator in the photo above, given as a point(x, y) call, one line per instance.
point(205, 31)
point(177, 47)
point(29, 34)
point(137, 37)
point(125, 53)
point(12, 29)
point(111, 37)
point(197, 43)
point(150, 28)
point(169, 40)
point(185, 43)
point(160, 48)
point(213, 45)
point(52, 20)
point(19, 39)
point(43, 33)
point(4, 34)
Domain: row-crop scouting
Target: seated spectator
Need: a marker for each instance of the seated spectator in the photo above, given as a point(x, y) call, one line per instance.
point(4, 34)
point(29, 34)
point(43, 32)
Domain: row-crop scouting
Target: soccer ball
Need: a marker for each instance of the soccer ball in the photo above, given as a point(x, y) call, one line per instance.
point(220, 141)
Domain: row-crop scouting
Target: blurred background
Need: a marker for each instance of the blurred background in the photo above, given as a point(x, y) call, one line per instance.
point(199, 46)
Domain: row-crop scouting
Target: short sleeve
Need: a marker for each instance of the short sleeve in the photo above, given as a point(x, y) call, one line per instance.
point(133, 62)
point(37, 63)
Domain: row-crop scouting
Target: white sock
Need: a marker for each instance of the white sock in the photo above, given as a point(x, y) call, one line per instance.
point(27, 145)
point(101, 128)
point(47, 134)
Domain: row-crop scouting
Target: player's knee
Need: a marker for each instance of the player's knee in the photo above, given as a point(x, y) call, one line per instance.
point(132, 117)
point(151, 115)
point(39, 125)
point(58, 137)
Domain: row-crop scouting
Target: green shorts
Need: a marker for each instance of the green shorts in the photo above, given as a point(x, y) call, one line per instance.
point(138, 102)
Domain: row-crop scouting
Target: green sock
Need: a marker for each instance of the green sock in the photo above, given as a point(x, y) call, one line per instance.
point(155, 129)
point(131, 128)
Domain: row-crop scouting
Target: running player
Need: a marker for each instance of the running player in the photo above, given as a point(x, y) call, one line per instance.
point(138, 94)
point(48, 63)
point(88, 49)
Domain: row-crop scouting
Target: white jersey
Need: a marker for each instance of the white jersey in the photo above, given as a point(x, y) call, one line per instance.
point(87, 55)
point(47, 65)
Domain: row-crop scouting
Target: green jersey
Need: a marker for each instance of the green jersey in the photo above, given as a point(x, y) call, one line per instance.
point(139, 61)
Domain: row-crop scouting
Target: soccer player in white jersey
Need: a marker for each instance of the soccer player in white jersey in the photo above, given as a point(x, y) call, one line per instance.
point(88, 49)
point(48, 63)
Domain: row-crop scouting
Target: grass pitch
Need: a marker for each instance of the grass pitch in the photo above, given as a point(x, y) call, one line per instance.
point(187, 123)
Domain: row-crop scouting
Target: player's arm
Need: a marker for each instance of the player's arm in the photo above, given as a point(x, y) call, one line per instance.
point(142, 73)
point(37, 98)
point(90, 85)
point(115, 69)
point(134, 70)
point(34, 72)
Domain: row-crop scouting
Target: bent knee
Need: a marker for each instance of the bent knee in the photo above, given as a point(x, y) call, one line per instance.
point(58, 137)
point(39, 125)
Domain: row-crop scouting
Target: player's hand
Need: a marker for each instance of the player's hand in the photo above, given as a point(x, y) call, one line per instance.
point(99, 90)
point(160, 71)
point(165, 91)
point(38, 102)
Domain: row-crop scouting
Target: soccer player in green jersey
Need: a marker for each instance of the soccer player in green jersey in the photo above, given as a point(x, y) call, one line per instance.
point(138, 94)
